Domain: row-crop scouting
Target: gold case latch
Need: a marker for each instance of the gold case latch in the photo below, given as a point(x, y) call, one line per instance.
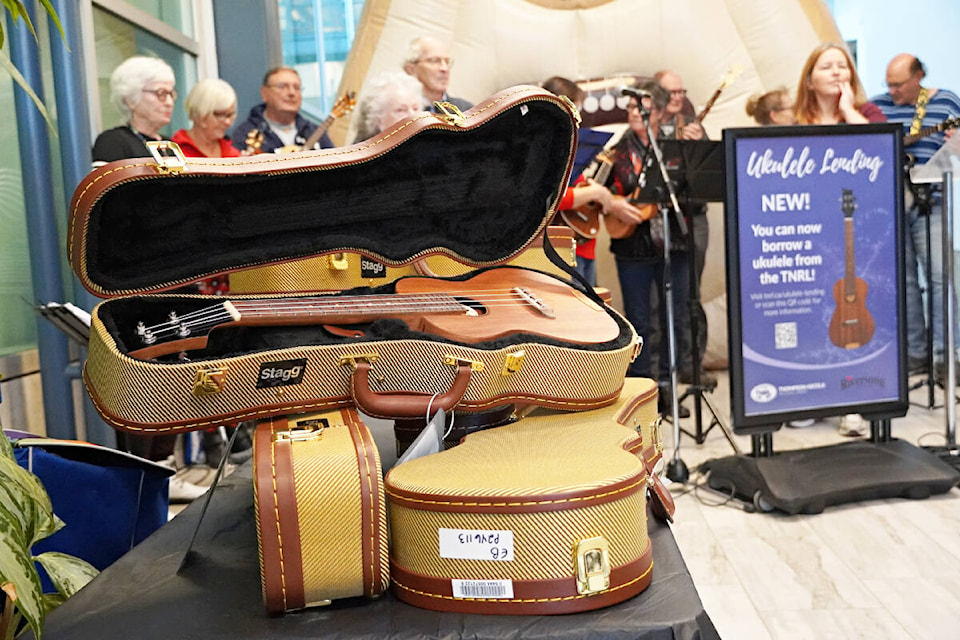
point(513, 362)
point(455, 361)
point(208, 382)
point(303, 430)
point(593, 565)
point(351, 359)
point(451, 114)
point(169, 157)
point(338, 262)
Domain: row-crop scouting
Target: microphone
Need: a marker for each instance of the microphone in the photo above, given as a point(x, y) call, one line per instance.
point(630, 92)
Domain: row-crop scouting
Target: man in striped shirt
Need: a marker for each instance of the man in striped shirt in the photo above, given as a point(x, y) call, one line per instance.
point(918, 107)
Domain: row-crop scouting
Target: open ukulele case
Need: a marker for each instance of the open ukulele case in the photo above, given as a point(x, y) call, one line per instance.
point(477, 187)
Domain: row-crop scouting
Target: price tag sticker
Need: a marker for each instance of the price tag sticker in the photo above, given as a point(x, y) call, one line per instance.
point(476, 544)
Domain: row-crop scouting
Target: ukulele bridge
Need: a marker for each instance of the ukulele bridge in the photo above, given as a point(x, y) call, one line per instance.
point(535, 302)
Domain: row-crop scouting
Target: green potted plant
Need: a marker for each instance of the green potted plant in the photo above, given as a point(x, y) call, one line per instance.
point(17, 10)
point(26, 516)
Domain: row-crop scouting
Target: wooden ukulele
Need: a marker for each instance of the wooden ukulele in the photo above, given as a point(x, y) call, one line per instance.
point(949, 123)
point(851, 326)
point(492, 304)
point(341, 107)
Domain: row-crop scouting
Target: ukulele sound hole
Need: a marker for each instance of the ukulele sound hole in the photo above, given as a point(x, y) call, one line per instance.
point(475, 306)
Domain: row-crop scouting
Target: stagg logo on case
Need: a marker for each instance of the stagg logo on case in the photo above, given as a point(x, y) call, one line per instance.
point(372, 269)
point(281, 373)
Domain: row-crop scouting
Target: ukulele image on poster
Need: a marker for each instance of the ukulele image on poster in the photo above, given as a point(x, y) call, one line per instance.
point(851, 326)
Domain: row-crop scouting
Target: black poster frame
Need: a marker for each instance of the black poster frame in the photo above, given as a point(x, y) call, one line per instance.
point(738, 214)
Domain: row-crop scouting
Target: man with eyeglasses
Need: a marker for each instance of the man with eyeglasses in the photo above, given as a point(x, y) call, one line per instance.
point(276, 124)
point(680, 123)
point(429, 61)
point(916, 107)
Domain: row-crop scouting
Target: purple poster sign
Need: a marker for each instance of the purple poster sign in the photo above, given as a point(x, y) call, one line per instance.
point(816, 273)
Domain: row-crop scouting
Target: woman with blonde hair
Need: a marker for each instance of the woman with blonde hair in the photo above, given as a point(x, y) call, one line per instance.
point(829, 90)
point(212, 107)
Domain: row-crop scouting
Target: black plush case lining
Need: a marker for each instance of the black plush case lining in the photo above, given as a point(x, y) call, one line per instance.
point(479, 195)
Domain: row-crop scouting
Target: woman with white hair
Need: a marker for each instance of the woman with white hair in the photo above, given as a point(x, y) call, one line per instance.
point(142, 89)
point(212, 107)
point(390, 97)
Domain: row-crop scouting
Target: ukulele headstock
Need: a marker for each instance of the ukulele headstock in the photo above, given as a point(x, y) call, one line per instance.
point(849, 204)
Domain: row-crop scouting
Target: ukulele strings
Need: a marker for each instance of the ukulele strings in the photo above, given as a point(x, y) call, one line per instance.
point(394, 303)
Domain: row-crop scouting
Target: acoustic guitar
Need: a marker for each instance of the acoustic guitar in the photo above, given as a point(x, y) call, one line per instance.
point(343, 106)
point(851, 326)
point(490, 305)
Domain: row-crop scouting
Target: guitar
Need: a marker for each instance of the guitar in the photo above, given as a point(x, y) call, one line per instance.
point(949, 123)
point(851, 326)
point(488, 306)
point(343, 106)
point(585, 219)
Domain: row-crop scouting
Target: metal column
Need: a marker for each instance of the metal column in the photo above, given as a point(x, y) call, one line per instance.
point(73, 125)
point(45, 248)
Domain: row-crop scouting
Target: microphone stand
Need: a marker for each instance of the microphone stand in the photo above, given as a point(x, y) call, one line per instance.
point(677, 470)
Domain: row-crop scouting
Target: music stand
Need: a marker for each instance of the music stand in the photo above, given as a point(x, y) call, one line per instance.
point(590, 142)
point(696, 168)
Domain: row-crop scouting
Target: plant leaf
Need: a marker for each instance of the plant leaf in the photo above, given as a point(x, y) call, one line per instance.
point(16, 567)
point(68, 573)
point(53, 16)
point(33, 501)
point(6, 447)
point(20, 80)
point(18, 10)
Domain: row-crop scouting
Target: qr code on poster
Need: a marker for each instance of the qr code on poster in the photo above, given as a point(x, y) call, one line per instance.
point(786, 335)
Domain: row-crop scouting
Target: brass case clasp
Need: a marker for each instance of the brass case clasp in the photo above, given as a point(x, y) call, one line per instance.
point(513, 362)
point(451, 114)
point(593, 565)
point(208, 382)
point(173, 162)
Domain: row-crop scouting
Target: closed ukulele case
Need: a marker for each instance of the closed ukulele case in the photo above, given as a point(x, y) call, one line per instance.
point(477, 188)
point(320, 511)
point(543, 516)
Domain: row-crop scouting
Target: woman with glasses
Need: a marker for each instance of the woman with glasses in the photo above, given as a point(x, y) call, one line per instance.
point(142, 90)
point(212, 107)
point(390, 97)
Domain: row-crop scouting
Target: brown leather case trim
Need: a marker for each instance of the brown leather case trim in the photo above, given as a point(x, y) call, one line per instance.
point(280, 531)
point(371, 502)
point(531, 597)
point(635, 403)
point(518, 504)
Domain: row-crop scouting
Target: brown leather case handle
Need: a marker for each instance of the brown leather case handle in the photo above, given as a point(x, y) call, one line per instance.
point(404, 404)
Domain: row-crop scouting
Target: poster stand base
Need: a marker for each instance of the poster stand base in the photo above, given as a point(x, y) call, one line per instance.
point(808, 480)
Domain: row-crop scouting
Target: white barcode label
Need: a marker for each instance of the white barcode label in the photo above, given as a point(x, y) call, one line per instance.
point(482, 588)
point(476, 544)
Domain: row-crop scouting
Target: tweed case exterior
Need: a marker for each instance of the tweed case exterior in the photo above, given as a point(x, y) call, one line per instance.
point(550, 483)
point(320, 511)
point(346, 270)
point(152, 397)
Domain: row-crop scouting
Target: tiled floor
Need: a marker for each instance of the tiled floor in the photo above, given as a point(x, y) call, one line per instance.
point(876, 569)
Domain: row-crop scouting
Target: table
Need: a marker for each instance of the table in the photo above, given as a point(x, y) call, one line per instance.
point(218, 594)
